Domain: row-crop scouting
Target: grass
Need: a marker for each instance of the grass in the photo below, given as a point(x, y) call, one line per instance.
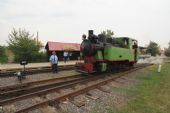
point(152, 95)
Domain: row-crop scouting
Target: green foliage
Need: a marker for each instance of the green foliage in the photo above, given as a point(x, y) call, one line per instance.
point(3, 57)
point(167, 51)
point(108, 33)
point(41, 57)
point(153, 48)
point(23, 45)
point(2, 51)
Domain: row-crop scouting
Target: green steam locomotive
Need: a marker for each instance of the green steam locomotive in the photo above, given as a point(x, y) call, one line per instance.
point(102, 53)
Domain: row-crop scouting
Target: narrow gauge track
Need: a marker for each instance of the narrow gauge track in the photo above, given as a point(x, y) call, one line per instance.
point(15, 89)
point(105, 79)
point(21, 91)
point(26, 92)
point(37, 82)
point(33, 70)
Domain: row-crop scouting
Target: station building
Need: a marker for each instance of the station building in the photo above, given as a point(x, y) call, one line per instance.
point(73, 49)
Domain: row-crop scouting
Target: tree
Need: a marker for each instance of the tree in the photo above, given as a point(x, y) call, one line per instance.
point(108, 33)
point(23, 45)
point(167, 51)
point(3, 57)
point(2, 51)
point(153, 48)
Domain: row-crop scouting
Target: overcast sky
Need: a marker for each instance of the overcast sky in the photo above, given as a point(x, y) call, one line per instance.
point(67, 20)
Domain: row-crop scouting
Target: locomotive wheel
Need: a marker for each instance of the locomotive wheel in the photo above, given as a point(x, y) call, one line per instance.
point(112, 68)
point(109, 68)
point(117, 67)
point(98, 68)
point(131, 64)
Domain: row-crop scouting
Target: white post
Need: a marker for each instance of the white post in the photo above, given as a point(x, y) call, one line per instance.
point(159, 68)
point(1, 109)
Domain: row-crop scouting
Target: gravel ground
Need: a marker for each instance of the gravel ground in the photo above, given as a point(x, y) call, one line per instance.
point(98, 100)
point(28, 102)
point(115, 96)
point(30, 65)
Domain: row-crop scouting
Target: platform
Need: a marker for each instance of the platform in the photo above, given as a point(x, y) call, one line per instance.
point(34, 65)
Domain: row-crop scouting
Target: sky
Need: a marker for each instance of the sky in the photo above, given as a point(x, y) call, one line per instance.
point(67, 20)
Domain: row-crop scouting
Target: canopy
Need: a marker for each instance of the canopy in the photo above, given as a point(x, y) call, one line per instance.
point(59, 46)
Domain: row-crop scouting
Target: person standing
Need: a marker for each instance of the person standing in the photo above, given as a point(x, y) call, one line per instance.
point(54, 62)
point(65, 54)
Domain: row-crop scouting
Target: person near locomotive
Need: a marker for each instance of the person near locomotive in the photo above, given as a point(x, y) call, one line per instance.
point(54, 62)
point(65, 54)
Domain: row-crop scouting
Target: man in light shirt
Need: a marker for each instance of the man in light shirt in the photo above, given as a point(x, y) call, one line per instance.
point(65, 54)
point(54, 62)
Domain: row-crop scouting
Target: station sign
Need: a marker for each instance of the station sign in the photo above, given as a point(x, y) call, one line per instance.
point(23, 62)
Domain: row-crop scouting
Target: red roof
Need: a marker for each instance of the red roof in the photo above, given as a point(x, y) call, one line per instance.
point(59, 46)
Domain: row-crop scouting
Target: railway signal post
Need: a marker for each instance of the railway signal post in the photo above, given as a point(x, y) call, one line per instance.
point(21, 75)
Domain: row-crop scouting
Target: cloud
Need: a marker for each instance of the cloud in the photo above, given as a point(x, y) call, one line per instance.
point(56, 20)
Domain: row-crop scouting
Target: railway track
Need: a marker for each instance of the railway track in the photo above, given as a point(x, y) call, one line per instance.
point(13, 93)
point(32, 70)
point(35, 90)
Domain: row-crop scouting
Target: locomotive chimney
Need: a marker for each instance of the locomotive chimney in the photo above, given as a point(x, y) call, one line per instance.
point(90, 33)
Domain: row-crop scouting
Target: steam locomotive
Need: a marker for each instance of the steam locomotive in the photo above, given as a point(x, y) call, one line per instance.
point(102, 53)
